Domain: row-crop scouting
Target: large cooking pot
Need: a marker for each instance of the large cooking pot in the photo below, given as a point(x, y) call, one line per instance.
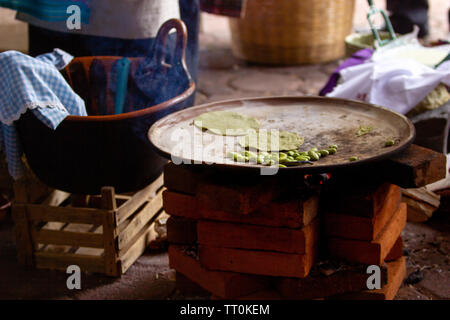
point(103, 149)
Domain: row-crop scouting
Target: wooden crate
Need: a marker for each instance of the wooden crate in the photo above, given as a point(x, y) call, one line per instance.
point(102, 234)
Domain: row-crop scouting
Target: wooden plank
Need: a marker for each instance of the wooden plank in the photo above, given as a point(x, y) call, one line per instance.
point(92, 251)
point(77, 239)
point(110, 232)
point(351, 226)
point(370, 252)
point(20, 191)
point(22, 232)
point(108, 198)
point(188, 287)
point(360, 199)
point(52, 247)
point(287, 213)
point(424, 195)
point(29, 189)
point(396, 275)
point(418, 211)
point(421, 202)
point(182, 178)
point(79, 200)
point(235, 198)
point(266, 263)
point(181, 230)
point(242, 236)
point(326, 280)
point(65, 214)
point(416, 167)
point(413, 168)
point(55, 198)
point(60, 261)
point(396, 251)
point(129, 207)
point(223, 284)
point(132, 253)
point(149, 212)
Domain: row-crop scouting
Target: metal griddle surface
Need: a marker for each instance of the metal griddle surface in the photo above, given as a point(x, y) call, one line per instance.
point(321, 121)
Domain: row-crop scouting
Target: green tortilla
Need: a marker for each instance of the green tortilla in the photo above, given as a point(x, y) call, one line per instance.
point(266, 140)
point(226, 123)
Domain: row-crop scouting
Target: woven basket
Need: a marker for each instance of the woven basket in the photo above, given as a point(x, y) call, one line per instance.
point(284, 32)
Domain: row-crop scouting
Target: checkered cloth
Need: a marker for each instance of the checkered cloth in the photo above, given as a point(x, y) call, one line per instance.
point(36, 84)
point(229, 8)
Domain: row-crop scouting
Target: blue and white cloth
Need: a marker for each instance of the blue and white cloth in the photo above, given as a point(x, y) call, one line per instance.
point(36, 84)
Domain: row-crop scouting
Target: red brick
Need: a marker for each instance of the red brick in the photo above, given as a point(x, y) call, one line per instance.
point(244, 236)
point(181, 178)
point(396, 275)
point(363, 228)
point(346, 278)
point(257, 262)
point(286, 213)
point(181, 230)
point(189, 287)
point(235, 199)
point(180, 205)
point(223, 284)
point(358, 200)
point(260, 295)
point(373, 252)
point(396, 251)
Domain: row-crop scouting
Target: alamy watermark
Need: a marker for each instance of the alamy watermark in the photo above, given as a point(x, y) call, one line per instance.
point(73, 282)
point(73, 22)
point(374, 280)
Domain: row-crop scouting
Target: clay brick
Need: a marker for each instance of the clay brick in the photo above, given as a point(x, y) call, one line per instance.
point(396, 275)
point(346, 278)
point(396, 251)
point(414, 167)
point(227, 285)
point(181, 230)
point(283, 213)
point(257, 262)
point(364, 228)
point(244, 236)
point(260, 295)
point(373, 252)
point(181, 178)
point(356, 200)
point(181, 205)
point(235, 199)
point(189, 287)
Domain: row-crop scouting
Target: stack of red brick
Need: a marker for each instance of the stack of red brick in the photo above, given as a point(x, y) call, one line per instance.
point(260, 239)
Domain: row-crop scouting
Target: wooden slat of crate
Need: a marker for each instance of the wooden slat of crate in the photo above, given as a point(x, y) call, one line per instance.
point(129, 207)
point(130, 254)
point(52, 247)
point(149, 212)
point(62, 237)
point(60, 261)
point(92, 251)
point(22, 232)
point(56, 198)
point(38, 212)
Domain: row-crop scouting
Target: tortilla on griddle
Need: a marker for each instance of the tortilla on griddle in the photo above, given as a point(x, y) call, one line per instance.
point(226, 123)
point(273, 140)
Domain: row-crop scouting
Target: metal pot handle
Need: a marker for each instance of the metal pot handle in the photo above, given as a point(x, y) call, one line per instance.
point(180, 47)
